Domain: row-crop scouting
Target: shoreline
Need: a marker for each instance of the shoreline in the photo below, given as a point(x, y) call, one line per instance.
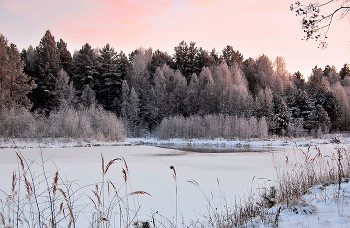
point(23, 143)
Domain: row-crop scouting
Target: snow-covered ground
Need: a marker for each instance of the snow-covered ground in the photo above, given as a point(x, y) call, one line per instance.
point(322, 206)
point(222, 177)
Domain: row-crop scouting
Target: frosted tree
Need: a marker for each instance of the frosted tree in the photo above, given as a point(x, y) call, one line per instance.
point(130, 110)
point(223, 87)
point(266, 75)
point(280, 67)
point(331, 75)
point(192, 96)
point(177, 94)
point(207, 97)
point(88, 97)
point(124, 100)
point(240, 100)
point(159, 97)
point(64, 90)
point(264, 104)
point(263, 128)
point(344, 106)
point(133, 112)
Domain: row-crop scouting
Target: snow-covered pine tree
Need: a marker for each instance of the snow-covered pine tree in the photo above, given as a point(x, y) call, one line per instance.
point(109, 79)
point(84, 68)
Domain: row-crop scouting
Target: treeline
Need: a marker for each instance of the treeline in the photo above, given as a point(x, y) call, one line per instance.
point(149, 89)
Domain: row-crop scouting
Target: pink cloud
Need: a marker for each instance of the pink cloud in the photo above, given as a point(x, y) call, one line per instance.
point(203, 3)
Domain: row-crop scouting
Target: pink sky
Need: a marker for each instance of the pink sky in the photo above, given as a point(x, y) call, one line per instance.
point(253, 27)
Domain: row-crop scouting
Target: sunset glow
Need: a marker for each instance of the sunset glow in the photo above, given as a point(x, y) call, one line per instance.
point(253, 27)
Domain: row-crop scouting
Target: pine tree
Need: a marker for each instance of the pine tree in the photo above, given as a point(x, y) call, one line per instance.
point(203, 59)
point(4, 59)
point(108, 82)
point(14, 84)
point(84, 68)
point(344, 71)
point(47, 62)
point(29, 57)
point(280, 116)
point(184, 59)
point(159, 58)
point(298, 80)
point(66, 61)
point(231, 56)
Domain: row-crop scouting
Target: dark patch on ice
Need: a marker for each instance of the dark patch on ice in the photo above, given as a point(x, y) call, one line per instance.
point(214, 149)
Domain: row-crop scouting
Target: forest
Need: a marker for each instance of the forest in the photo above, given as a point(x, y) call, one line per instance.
point(46, 91)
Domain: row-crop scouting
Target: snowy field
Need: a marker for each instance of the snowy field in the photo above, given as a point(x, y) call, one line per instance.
point(222, 176)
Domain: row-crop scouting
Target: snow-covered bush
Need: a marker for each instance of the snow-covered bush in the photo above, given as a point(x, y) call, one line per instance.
point(16, 123)
point(68, 122)
point(211, 127)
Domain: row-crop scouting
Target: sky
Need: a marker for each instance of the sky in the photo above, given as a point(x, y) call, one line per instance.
point(253, 27)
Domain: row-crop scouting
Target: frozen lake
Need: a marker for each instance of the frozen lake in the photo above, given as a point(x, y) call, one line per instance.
point(236, 172)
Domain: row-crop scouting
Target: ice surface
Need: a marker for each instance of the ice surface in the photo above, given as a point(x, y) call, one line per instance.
point(221, 176)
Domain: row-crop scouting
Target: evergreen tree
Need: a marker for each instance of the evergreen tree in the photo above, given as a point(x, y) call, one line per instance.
point(231, 56)
point(204, 59)
point(184, 59)
point(14, 84)
point(159, 58)
point(108, 82)
point(84, 68)
point(280, 116)
point(254, 82)
point(66, 61)
point(344, 71)
point(4, 59)
point(47, 63)
point(29, 57)
point(320, 95)
point(298, 80)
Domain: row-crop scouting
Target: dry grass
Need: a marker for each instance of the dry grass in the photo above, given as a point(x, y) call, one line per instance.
point(46, 200)
point(293, 180)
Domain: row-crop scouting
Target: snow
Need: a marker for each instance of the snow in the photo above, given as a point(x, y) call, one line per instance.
point(221, 176)
point(322, 206)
